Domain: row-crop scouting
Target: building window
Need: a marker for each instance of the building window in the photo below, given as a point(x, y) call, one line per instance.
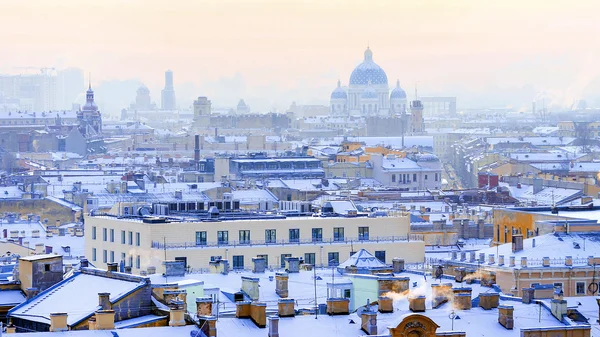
point(283, 257)
point(347, 293)
point(93, 232)
point(238, 262)
point(93, 254)
point(122, 237)
point(244, 236)
point(414, 177)
point(436, 177)
point(380, 255)
point(393, 178)
point(104, 236)
point(558, 285)
point(137, 262)
point(317, 234)
point(425, 177)
point(363, 233)
point(123, 257)
point(338, 234)
point(104, 256)
point(309, 258)
point(137, 239)
point(223, 237)
point(112, 235)
point(270, 236)
point(580, 288)
point(201, 238)
point(294, 235)
point(112, 256)
point(130, 234)
point(333, 259)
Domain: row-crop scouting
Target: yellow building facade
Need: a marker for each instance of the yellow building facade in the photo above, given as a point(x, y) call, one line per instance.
point(316, 240)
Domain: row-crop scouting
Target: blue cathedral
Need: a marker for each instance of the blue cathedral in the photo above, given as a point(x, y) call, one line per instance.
point(368, 92)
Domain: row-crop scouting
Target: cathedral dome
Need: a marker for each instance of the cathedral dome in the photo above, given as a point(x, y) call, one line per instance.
point(369, 93)
point(368, 71)
point(398, 92)
point(339, 92)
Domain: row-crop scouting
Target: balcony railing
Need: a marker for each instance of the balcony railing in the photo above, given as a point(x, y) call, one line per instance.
point(248, 243)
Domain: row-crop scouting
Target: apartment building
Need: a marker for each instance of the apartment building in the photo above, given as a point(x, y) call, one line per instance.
point(239, 237)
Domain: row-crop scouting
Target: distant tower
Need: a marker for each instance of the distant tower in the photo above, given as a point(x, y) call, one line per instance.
point(416, 111)
point(142, 99)
point(202, 111)
point(90, 119)
point(168, 93)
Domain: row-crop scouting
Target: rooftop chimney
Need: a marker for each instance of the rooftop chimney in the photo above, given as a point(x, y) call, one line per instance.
point(338, 306)
point(104, 301)
point(84, 263)
point(517, 243)
point(31, 292)
point(440, 294)
point(397, 265)
point(204, 306)
point(285, 307)
point(505, 316)
point(258, 264)
point(528, 295)
point(369, 322)
point(258, 314)
point(281, 284)
point(197, 151)
point(58, 322)
point(105, 319)
point(558, 305)
point(489, 301)
point(208, 325)
point(462, 299)
point(176, 313)
point(385, 304)
point(416, 303)
point(273, 326)
point(250, 287)
point(292, 264)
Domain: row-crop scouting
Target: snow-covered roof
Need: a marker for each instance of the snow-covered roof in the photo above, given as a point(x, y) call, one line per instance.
point(76, 295)
point(362, 259)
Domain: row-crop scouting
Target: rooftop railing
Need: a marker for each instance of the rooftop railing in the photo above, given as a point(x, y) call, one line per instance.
point(249, 243)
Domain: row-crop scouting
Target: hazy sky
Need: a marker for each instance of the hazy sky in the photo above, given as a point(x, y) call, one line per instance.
point(300, 48)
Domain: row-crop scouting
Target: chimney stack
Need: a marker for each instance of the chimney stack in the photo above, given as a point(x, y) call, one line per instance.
point(285, 307)
point(397, 265)
point(500, 260)
point(369, 322)
point(104, 301)
point(258, 314)
point(31, 292)
point(459, 274)
point(250, 287)
point(204, 306)
point(528, 295)
point(505, 316)
point(208, 325)
point(523, 261)
point(105, 319)
point(385, 304)
point(558, 305)
point(338, 306)
point(517, 243)
point(416, 303)
point(281, 284)
point(440, 294)
point(197, 151)
point(489, 301)
point(273, 326)
point(462, 299)
point(258, 264)
point(511, 260)
point(176, 313)
point(569, 261)
point(292, 264)
point(58, 322)
point(84, 263)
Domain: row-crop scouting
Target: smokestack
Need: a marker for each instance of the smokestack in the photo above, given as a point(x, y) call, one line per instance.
point(197, 151)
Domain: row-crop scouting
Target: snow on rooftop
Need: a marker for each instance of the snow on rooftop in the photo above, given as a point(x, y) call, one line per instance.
point(77, 296)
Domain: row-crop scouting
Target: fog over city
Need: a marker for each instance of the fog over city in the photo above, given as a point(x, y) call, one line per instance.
point(300, 168)
point(489, 53)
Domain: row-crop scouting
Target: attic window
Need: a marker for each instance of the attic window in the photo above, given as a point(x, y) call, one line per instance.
point(47, 267)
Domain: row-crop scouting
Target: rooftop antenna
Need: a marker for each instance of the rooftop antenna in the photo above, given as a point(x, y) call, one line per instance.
point(416, 92)
point(90, 79)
